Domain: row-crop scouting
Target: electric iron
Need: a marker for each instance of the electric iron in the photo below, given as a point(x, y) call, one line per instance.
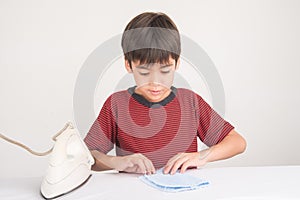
point(69, 164)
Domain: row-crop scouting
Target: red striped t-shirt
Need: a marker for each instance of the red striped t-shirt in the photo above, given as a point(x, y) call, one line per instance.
point(157, 130)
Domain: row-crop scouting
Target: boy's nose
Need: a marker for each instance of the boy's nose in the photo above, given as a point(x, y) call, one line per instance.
point(155, 78)
point(154, 84)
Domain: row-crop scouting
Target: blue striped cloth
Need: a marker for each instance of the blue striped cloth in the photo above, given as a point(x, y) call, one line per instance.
point(173, 183)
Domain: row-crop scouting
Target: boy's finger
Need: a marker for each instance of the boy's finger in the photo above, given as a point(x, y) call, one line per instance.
point(167, 168)
point(141, 166)
point(137, 165)
point(132, 169)
point(151, 167)
point(185, 166)
point(148, 164)
point(177, 164)
point(170, 163)
point(173, 159)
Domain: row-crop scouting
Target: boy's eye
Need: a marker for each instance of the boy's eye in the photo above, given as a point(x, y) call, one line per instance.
point(165, 72)
point(144, 73)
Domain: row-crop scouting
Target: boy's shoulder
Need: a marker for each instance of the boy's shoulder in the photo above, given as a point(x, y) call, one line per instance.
point(186, 92)
point(119, 94)
point(188, 95)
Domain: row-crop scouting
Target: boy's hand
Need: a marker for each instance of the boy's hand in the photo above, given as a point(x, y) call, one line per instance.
point(184, 160)
point(135, 163)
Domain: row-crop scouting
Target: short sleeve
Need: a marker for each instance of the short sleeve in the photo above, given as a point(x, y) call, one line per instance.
point(102, 133)
point(212, 127)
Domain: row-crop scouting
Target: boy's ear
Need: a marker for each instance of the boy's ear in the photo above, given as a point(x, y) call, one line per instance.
point(177, 64)
point(127, 66)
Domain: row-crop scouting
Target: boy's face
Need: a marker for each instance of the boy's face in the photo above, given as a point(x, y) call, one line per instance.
point(153, 80)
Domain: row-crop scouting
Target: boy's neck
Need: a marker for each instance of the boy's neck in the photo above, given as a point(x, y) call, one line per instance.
point(142, 99)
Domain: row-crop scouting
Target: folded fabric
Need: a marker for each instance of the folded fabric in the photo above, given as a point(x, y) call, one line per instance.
point(173, 183)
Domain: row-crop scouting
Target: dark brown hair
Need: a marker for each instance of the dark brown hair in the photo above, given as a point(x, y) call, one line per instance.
point(170, 42)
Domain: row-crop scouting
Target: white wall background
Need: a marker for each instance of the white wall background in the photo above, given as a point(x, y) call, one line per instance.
point(254, 44)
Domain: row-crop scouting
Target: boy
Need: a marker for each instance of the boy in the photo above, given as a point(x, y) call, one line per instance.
point(154, 124)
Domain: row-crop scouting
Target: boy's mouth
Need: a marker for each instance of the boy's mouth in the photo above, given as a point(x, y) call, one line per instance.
point(155, 92)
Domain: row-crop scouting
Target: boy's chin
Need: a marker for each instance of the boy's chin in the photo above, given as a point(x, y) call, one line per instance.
point(154, 100)
point(155, 97)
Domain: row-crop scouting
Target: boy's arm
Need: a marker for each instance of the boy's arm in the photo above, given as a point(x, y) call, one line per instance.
point(101, 139)
point(134, 163)
point(231, 145)
point(101, 161)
